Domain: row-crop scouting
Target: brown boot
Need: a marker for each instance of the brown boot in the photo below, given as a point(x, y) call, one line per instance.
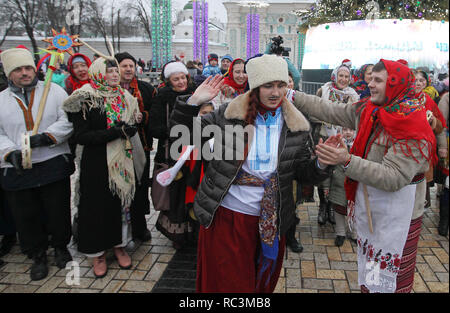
point(123, 258)
point(100, 266)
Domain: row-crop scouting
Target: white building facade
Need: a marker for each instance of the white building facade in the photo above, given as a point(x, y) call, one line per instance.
point(276, 19)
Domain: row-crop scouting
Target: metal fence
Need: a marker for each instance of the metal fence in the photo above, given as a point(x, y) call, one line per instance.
point(310, 87)
point(151, 77)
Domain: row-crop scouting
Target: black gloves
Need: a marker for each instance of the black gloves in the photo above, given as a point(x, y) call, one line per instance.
point(40, 140)
point(15, 158)
point(126, 130)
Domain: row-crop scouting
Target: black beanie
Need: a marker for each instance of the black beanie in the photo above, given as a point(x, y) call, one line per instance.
point(124, 55)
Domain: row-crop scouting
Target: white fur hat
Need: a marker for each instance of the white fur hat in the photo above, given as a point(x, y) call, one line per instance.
point(265, 69)
point(16, 57)
point(174, 67)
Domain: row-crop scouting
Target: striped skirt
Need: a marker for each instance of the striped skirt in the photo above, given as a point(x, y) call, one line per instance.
point(405, 277)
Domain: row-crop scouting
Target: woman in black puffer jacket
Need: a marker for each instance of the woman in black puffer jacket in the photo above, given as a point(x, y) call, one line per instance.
point(245, 203)
point(173, 222)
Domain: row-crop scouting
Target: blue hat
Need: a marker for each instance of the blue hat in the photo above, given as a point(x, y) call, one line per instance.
point(228, 57)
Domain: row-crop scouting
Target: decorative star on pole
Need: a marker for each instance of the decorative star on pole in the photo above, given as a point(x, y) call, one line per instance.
point(62, 42)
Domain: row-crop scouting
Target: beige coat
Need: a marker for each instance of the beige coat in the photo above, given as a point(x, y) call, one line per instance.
point(389, 172)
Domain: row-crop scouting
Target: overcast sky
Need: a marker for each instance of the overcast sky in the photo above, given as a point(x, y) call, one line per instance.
point(216, 8)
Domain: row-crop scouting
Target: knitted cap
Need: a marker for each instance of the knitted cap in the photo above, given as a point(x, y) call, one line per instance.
point(227, 57)
point(213, 56)
point(15, 58)
point(173, 68)
point(259, 74)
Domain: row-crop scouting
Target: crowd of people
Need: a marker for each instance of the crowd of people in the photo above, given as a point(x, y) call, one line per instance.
point(373, 141)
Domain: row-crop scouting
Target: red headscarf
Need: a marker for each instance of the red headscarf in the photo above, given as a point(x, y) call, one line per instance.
point(73, 83)
point(403, 118)
point(229, 80)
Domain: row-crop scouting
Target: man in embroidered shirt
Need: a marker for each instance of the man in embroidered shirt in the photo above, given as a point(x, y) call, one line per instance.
point(384, 170)
point(40, 195)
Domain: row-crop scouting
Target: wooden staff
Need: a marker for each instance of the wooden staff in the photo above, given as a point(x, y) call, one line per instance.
point(369, 213)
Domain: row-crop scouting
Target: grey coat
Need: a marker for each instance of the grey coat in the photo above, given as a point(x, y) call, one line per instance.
point(294, 158)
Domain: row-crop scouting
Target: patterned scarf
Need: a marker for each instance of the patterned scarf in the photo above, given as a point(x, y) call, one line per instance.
point(118, 105)
point(403, 118)
point(267, 220)
point(361, 86)
point(229, 80)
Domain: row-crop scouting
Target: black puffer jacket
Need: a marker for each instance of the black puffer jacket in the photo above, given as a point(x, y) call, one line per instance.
point(294, 158)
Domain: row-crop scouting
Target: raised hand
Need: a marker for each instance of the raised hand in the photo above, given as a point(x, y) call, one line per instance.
point(207, 91)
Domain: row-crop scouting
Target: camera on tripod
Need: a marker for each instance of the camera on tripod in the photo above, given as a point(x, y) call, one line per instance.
point(276, 48)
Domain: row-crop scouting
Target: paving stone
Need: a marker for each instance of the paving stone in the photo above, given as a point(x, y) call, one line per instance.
point(79, 290)
point(156, 272)
point(349, 257)
point(165, 258)
point(341, 286)
point(293, 278)
point(438, 287)
point(348, 266)
point(138, 275)
point(16, 268)
point(429, 243)
point(123, 274)
point(139, 286)
point(14, 258)
point(443, 277)
point(101, 283)
point(306, 256)
point(147, 262)
point(434, 263)
point(3, 287)
point(308, 269)
point(281, 286)
point(441, 254)
point(426, 272)
point(84, 283)
point(352, 278)
point(113, 286)
point(159, 249)
point(311, 283)
point(290, 263)
point(334, 254)
point(50, 285)
point(20, 289)
point(346, 247)
point(419, 285)
point(294, 290)
point(16, 278)
point(61, 290)
point(321, 261)
point(330, 274)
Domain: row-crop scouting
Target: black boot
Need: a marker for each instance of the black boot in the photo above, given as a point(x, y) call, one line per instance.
point(339, 241)
point(62, 257)
point(322, 217)
point(7, 243)
point(146, 236)
point(291, 241)
point(443, 213)
point(330, 210)
point(2, 262)
point(39, 269)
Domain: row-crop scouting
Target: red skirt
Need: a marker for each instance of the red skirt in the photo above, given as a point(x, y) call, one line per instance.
point(228, 252)
point(405, 277)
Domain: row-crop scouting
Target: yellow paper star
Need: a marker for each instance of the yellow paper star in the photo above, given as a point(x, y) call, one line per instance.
point(62, 42)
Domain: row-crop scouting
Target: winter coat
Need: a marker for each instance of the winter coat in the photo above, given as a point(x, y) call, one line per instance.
point(385, 167)
point(294, 158)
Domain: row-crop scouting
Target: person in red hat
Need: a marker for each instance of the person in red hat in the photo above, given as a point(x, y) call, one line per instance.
point(385, 168)
point(77, 66)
